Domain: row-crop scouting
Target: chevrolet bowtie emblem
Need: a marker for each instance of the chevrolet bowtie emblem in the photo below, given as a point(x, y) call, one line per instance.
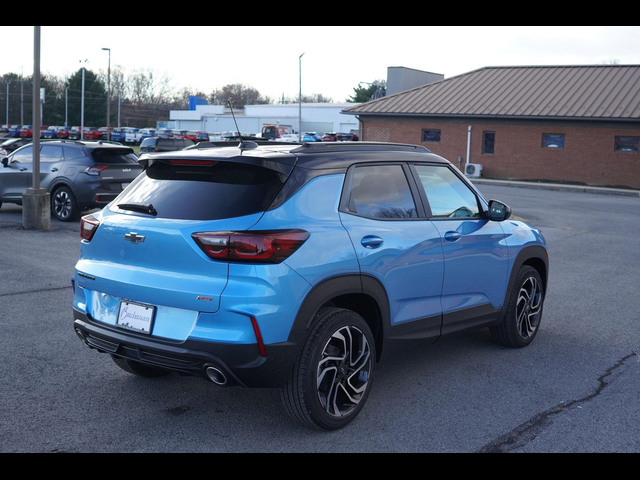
point(133, 237)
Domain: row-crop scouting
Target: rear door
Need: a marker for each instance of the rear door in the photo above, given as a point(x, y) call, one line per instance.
point(51, 161)
point(117, 167)
point(152, 257)
point(396, 244)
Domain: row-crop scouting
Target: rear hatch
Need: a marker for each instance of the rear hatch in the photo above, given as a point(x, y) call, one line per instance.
point(117, 167)
point(144, 250)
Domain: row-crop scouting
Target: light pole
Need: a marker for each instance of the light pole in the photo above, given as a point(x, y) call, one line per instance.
point(82, 102)
point(7, 118)
point(300, 100)
point(108, 94)
point(36, 210)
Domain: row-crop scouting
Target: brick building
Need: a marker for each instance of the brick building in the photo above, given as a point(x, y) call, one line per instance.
point(574, 124)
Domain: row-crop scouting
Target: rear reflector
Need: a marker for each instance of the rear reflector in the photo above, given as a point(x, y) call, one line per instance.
point(193, 163)
point(251, 247)
point(88, 227)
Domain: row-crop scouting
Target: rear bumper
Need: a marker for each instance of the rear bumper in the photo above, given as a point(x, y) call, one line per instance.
point(242, 364)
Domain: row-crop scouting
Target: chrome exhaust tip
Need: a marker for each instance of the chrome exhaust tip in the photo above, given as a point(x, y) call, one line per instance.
point(217, 376)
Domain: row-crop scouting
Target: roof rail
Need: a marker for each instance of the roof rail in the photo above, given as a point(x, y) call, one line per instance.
point(331, 147)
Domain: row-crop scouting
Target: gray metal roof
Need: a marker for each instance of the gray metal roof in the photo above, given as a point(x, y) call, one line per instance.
point(609, 92)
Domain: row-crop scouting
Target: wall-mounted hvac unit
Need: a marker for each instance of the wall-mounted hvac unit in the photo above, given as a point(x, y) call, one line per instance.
point(473, 170)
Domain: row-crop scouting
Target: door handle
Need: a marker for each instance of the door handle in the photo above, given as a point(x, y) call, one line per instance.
point(23, 169)
point(371, 241)
point(54, 169)
point(452, 236)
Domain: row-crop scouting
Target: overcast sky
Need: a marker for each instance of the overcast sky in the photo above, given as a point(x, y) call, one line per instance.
point(335, 60)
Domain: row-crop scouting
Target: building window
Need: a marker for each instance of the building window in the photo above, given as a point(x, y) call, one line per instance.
point(627, 144)
point(553, 140)
point(488, 143)
point(431, 136)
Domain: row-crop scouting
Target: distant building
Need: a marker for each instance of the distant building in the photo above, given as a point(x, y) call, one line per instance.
point(316, 117)
point(578, 124)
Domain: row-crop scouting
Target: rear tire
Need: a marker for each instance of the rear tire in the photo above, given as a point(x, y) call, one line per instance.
point(331, 382)
point(64, 206)
point(139, 369)
point(524, 311)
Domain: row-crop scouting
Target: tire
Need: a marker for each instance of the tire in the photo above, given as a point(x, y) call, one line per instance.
point(524, 311)
point(331, 381)
point(64, 206)
point(139, 369)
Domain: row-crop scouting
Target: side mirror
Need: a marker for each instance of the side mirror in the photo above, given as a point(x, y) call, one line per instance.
point(498, 211)
point(5, 162)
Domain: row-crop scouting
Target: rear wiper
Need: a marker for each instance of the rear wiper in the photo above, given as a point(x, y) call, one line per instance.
point(139, 207)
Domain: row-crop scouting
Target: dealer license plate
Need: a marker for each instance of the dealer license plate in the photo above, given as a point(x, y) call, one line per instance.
point(136, 317)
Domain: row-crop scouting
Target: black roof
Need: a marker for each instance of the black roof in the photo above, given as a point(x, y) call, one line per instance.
point(313, 155)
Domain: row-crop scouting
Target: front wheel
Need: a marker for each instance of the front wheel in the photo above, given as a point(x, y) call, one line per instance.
point(524, 310)
point(332, 380)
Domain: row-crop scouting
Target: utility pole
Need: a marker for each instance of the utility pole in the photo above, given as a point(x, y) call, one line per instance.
point(108, 94)
point(300, 100)
point(36, 204)
point(7, 119)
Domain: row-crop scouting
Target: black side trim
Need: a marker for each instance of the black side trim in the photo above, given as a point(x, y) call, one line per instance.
point(473, 317)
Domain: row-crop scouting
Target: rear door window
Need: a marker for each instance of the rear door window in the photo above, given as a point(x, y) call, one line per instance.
point(223, 190)
point(381, 192)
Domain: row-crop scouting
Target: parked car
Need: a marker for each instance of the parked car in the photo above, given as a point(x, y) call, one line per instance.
point(311, 137)
point(12, 144)
point(301, 281)
point(50, 132)
point(63, 132)
point(43, 128)
point(105, 133)
point(4, 128)
point(92, 134)
point(130, 134)
point(164, 144)
point(330, 137)
point(14, 131)
point(26, 131)
point(202, 137)
point(163, 132)
point(288, 137)
point(118, 135)
point(271, 132)
point(346, 137)
point(75, 133)
point(78, 175)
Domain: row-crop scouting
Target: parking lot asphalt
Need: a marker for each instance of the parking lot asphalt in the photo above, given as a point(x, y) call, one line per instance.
point(575, 389)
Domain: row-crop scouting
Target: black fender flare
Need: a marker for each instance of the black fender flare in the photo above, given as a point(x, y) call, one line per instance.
point(332, 288)
point(533, 252)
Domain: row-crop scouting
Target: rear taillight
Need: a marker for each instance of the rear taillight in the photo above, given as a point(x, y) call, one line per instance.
point(95, 171)
point(88, 227)
point(251, 247)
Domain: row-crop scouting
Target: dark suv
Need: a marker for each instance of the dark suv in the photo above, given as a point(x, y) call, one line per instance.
point(78, 175)
point(299, 267)
point(164, 144)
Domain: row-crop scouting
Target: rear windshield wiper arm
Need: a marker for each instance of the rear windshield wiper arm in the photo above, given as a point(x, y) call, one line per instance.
point(139, 207)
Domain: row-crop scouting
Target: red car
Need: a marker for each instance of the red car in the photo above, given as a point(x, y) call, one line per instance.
point(26, 131)
point(330, 137)
point(92, 133)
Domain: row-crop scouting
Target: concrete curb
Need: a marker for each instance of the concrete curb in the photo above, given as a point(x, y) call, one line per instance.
point(557, 186)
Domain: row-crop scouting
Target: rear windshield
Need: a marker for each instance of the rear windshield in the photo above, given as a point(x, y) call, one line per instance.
point(224, 190)
point(116, 156)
